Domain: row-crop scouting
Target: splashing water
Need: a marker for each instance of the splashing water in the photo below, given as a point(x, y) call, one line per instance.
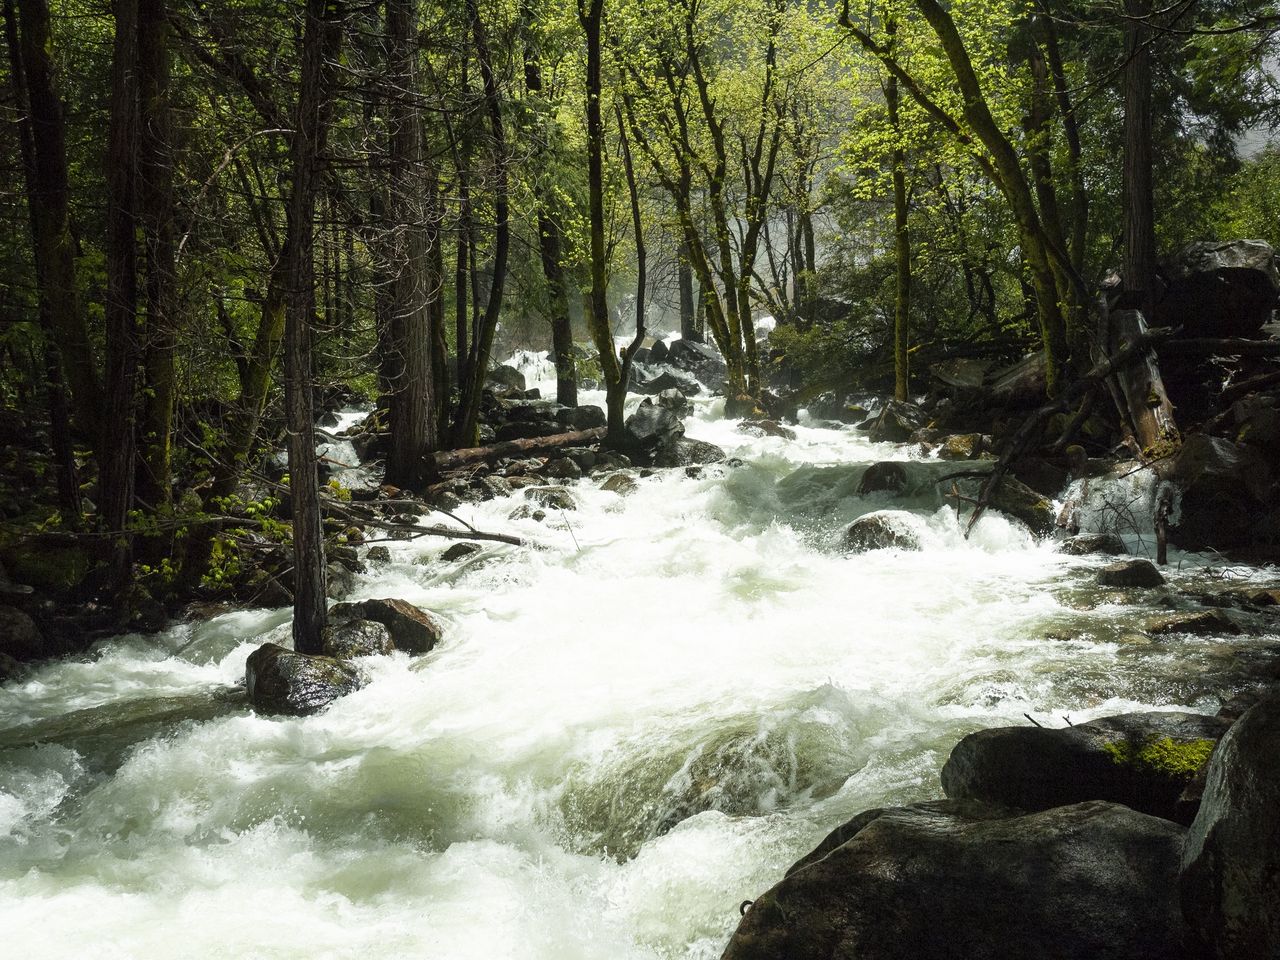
point(627, 731)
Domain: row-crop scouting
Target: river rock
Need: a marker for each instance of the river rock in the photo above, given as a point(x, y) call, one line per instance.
point(766, 428)
point(897, 421)
point(685, 452)
point(553, 498)
point(1108, 544)
point(1199, 623)
point(673, 400)
point(882, 530)
point(658, 378)
point(586, 417)
point(1019, 501)
point(699, 359)
point(1143, 760)
point(562, 468)
point(1092, 881)
point(1231, 861)
point(527, 429)
point(1220, 289)
point(1130, 573)
point(619, 483)
point(412, 629)
point(282, 681)
point(651, 426)
point(505, 376)
point(1226, 495)
point(356, 638)
point(20, 638)
point(888, 475)
point(460, 551)
point(962, 446)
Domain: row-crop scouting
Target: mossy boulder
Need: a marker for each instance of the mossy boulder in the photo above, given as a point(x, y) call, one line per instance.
point(282, 681)
point(1143, 760)
point(1015, 498)
point(412, 629)
point(940, 881)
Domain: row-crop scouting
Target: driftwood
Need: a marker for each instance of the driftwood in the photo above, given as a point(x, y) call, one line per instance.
point(1145, 400)
point(454, 459)
point(1033, 426)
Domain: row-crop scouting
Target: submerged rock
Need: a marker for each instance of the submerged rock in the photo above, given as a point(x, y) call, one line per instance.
point(766, 428)
point(619, 483)
point(460, 551)
point(356, 638)
point(889, 476)
point(412, 629)
point(1143, 760)
point(1231, 861)
point(1130, 573)
point(282, 681)
point(553, 498)
point(1200, 623)
point(882, 530)
point(939, 881)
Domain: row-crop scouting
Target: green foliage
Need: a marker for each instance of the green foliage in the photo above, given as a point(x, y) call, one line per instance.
point(1163, 756)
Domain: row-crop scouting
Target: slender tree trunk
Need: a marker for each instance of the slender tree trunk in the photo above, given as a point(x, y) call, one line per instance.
point(412, 418)
point(117, 445)
point(1139, 274)
point(55, 391)
point(156, 209)
point(688, 307)
point(901, 249)
point(321, 37)
point(51, 218)
point(552, 249)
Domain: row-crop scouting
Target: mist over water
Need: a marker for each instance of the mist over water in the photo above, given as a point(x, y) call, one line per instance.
point(629, 729)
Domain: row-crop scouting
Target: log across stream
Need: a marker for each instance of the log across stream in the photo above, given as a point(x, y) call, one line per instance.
point(623, 735)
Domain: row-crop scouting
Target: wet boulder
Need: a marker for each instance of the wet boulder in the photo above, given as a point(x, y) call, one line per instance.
point(356, 638)
point(562, 468)
point(651, 426)
point(460, 551)
point(507, 377)
point(412, 629)
point(1198, 623)
point(766, 428)
point(1231, 860)
point(963, 446)
point(897, 422)
point(889, 476)
point(619, 483)
point(553, 498)
point(527, 429)
point(937, 881)
point(1226, 495)
point(1130, 573)
point(699, 359)
point(835, 406)
point(20, 638)
point(585, 417)
point(1143, 760)
point(282, 681)
point(673, 400)
point(1107, 544)
point(882, 530)
point(655, 378)
point(1220, 289)
point(685, 452)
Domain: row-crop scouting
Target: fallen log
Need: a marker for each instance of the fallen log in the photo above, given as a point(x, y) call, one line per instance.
point(1214, 346)
point(453, 459)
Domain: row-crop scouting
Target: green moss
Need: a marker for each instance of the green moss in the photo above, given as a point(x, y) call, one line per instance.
point(1166, 755)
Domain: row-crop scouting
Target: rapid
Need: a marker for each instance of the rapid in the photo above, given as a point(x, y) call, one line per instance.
point(633, 725)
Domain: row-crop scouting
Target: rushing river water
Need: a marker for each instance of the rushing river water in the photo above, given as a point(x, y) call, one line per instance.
point(625, 734)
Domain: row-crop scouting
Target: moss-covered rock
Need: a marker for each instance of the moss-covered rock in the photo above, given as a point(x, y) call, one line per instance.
point(1143, 760)
point(356, 638)
point(1021, 502)
point(412, 629)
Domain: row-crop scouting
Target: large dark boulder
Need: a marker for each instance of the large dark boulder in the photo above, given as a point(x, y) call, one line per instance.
point(1231, 861)
point(527, 429)
point(1226, 494)
point(505, 376)
point(897, 422)
point(1020, 384)
point(653, 379)
point(1220, 289)
point(1143, 760)
point(651, 426)
point(889, 476)
point(585, 417)
point(282, 681)
point(1135, 573)
point(356, 638)
point(412, 629)
point(882, 530)
point(699, 359)
point(937, 881)
point(685, 452)
point(20, 638)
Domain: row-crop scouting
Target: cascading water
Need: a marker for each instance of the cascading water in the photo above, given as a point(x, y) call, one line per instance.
point(629, 729)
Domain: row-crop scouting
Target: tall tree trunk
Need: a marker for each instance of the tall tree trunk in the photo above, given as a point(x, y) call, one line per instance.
point(688, 307)
point(51, 218)
point(1139, 274)
point(320, 40)
point(413, 420)
point(552, 249)
point(901, 246)
point(117, 444)
point(156, 212)
point(468, 418)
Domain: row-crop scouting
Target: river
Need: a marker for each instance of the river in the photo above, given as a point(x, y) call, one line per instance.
point(628, 730)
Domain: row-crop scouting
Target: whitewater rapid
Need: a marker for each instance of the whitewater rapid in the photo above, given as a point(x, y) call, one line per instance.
point(628, 730)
